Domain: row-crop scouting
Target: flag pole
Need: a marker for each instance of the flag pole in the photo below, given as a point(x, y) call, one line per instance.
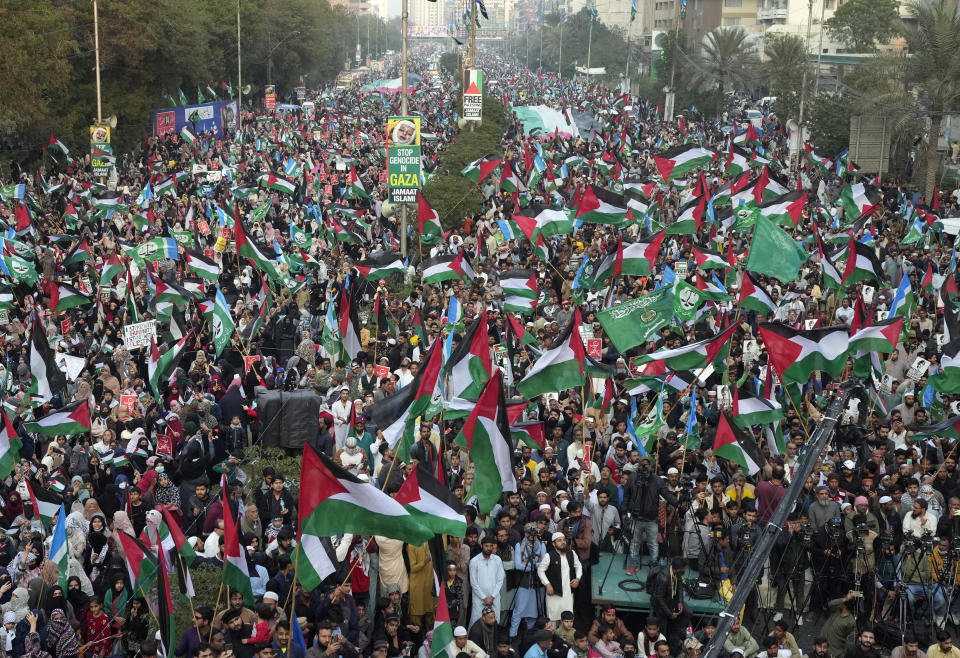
point(215, 607)
point(292, 599)
point(786, 389)
point(183, 568)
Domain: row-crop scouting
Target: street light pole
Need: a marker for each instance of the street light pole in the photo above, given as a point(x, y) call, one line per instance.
point(239, 69)
point(560, 51)
point(403, 111)
point(806, 65)
point(816, 83)
point(589, 43)
point(96, 49)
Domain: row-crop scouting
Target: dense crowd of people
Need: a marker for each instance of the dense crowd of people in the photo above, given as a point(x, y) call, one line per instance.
point(869, 549)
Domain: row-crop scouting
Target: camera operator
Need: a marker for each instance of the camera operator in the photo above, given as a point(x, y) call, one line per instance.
point(792, 548)
point(529, 602)
point(666, 601)
point(717, 564)
point(916, 574)
point(641, 499)
point(826, 558)
point(918, 521)
point(861, 538)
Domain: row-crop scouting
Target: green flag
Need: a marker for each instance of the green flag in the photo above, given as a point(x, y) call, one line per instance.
point(686, 301)
point(638, 320)
point(774, 252)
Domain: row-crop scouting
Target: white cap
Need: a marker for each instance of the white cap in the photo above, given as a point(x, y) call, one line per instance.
point(459, 631)
point(850, 464)
point(885, 499)
point(738, 650)
point(845, 505)
point(672, 470)
point(271, 596)
point(557, 535)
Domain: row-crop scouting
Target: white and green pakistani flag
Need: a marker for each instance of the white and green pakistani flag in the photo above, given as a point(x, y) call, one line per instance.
point(217, 313)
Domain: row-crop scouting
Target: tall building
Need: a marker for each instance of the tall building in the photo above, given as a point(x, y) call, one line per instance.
point(357, 6)
point(424, 13)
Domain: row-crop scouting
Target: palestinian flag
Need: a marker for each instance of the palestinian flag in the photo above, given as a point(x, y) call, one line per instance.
point(63, 296)
point(166, 186)
point(862, 264)
point(10, 445)
point(948, 428)
point(111, 268)
point(314, 560)
point(832, 278)
point(796, 354)
point(446, 267)
point(355, 188)
point(168, 637)
point(442, 628)
point(188, 136)
point(529, 433)
point(733, 444)
point(141, 564)
point(519, 290)
point(859, 200)
point(709, 260)
point(738, 161)
point(509, 182)
point(273, 182)
point(749, 409)
point(428, 221)
point(338, 502)
point(480, 168)
point(218, 316)
point(560, 367)
point(66, 421)
point(546, 221)
point(395, 415)
point(880, 337)
point(639, 258)
point(55, 148)
point(80, 253)
point(689, 218)
point(47, 378)
point(431, 504)
point(525, 337)
point(786, 209)
point(824, 164)
point(349, 323)
point(235, 574)
point(377, 267)
point(247, 248)
point(599, 206)
point(469, 365)
point(692, 356)
point(202, 267)
point(947, 380)
point(179, 554)
point(486, 436)
point(754, 297)
point(678, 162)
point(159, 365)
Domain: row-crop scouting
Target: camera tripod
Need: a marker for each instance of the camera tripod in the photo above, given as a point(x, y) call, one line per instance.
point(621, 542)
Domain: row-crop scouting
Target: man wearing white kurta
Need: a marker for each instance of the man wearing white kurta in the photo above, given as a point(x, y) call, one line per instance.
point(560, 572)
point(486, 579)
point(340, 410)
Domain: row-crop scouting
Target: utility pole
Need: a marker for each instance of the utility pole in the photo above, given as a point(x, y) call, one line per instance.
point(403, 111)
point(560, 52)
point(806, 65)
point(473, 34)
point(816, 82)
point(239, 73)
point(96, 56)
point(589, 43)
point(671, 94)
point(626, 72)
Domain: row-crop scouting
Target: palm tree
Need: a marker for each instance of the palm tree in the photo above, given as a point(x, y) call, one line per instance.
point(726, 60)
point(932, 33)
point(785, 58)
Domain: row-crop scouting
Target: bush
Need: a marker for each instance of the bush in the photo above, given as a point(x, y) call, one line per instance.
point(286, 465)
point(206, 584)
point(450, 62)
point(455, 196)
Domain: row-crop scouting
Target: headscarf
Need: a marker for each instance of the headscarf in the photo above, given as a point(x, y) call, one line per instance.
point(60, 634)
point(31, 644)
point(54, 600)
point(77, 597)
point(18, 603)
point(14, 507)
point(4, 579)
point(146, 481)
point(167, 495)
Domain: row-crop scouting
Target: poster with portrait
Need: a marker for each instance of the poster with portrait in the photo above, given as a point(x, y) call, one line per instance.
point(403, 158)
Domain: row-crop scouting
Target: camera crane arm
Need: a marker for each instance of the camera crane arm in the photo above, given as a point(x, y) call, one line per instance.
point(768, 535)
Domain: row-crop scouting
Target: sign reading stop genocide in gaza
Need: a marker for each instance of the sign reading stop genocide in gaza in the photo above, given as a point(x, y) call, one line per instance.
point(403, 158)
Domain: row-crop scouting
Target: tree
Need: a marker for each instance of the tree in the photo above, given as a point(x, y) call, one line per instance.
point(861, 24)
point(785, 59)
point(933, 40)
point(726, 60)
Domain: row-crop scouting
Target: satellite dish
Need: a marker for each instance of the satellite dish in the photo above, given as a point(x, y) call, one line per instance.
point(112, 120)
point(246, 89)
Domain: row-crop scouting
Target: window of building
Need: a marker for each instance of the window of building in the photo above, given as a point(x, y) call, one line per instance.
point(731, 22)
point(733, 3)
